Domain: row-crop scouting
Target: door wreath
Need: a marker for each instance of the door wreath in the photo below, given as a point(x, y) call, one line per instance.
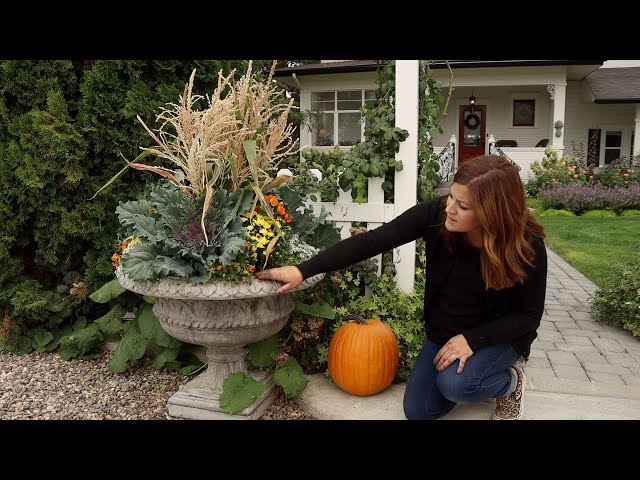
point(472, 121)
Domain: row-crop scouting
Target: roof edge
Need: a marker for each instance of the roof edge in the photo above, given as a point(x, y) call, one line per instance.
point(316, 69)
point(301, 70)
point(512, 63)
point(617, 100)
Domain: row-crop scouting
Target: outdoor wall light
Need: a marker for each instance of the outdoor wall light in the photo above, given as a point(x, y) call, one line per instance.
point(558, 126)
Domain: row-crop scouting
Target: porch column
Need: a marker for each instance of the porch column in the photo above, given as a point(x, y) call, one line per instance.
point(559, 96)
point(636, 138)
point(405, 195)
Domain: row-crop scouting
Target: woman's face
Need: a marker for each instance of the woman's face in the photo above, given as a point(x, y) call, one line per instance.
point(460, 214)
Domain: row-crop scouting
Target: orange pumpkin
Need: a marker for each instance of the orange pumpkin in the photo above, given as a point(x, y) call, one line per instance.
point(363, 356)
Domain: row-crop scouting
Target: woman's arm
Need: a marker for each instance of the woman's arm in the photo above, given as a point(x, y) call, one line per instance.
point(527, 307)
point(408, 226)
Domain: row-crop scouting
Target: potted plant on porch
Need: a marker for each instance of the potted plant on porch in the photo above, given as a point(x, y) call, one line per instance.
point(219, 213)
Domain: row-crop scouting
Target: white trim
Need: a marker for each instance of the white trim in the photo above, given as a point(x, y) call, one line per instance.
point(536, 113)
point(405, 192)
point(625, 141)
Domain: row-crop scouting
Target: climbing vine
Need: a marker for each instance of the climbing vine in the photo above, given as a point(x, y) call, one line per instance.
point(375, 157)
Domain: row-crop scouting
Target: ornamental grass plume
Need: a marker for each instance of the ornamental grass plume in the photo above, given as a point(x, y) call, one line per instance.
point(236, 143)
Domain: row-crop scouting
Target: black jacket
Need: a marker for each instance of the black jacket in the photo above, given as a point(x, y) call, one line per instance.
point(513, 313)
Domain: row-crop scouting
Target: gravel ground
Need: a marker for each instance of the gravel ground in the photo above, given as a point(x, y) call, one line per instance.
point(42, 386)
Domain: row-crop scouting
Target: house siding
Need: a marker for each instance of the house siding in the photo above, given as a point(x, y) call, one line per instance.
point(499, 102)
point(581, 115)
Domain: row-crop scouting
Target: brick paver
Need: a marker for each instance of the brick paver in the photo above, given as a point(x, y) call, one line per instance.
point(570, 344)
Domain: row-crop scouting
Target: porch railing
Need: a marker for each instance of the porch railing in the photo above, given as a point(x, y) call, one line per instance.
point(496, 150)
point(446, 160)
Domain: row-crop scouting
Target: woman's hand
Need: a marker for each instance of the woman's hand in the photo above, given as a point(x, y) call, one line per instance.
point(290, 276)
point(456, 348)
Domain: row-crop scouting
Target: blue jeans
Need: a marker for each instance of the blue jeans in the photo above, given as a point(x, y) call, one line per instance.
point(431, 394)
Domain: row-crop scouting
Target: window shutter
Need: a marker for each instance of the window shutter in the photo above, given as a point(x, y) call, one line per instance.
point(593, 151)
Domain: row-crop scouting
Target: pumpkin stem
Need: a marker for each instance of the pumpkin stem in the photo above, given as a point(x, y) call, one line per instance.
point(358, 318)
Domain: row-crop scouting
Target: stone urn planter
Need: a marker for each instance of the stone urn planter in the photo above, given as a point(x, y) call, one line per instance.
point(223, 317)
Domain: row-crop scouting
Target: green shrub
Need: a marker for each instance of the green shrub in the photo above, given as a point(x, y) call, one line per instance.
point(630, 212)
point(534, 202)
point(552, 212)
point(554, 171)
point(620, 304)
point(621, 172)
point(599, 213)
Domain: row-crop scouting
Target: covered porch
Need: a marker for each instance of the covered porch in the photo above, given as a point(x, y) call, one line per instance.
point(513, 111)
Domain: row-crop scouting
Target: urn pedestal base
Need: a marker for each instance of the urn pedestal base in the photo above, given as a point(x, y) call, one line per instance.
point(197, 401)
point(224, 317)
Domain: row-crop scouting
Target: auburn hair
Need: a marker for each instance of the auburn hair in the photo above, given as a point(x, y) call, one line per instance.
point(497, 197)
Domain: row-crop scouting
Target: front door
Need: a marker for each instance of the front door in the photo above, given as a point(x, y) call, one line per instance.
point(473, 124)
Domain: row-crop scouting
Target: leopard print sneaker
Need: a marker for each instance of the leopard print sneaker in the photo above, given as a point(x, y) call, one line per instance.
point(511, 407)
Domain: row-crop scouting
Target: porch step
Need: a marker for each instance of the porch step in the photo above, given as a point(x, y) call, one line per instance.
point(443, 188)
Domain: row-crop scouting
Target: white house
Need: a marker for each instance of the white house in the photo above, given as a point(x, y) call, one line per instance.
point(589, 107)
point(513, 107)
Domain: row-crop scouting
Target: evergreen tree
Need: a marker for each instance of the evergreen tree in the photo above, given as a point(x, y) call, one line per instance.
point(63, 128)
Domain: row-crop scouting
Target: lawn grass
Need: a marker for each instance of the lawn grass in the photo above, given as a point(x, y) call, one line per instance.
point(597, 247)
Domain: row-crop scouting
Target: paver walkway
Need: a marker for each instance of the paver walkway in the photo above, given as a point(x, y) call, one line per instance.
point(570, 344)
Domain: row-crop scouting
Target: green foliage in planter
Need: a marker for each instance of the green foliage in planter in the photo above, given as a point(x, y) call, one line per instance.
point(310, 228)
point(171, 239)
point(620, 304)
point(63, 125)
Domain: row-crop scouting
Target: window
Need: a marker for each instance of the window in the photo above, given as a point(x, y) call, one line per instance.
point(612, 145)
point(524, 113)
point(336, 118)
point(616, 141)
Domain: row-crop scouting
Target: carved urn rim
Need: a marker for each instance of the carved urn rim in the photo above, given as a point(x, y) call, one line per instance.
point(179, 288)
